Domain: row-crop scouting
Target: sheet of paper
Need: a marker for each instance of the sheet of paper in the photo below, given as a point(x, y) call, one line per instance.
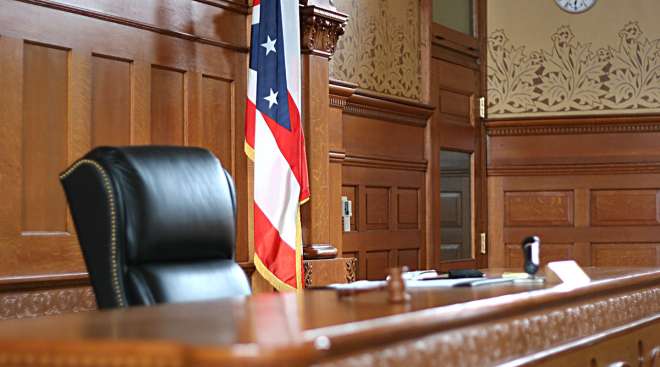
point(359, 285)
point(435, 283)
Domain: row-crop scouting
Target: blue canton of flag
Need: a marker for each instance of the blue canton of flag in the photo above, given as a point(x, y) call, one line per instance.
point(267, 58)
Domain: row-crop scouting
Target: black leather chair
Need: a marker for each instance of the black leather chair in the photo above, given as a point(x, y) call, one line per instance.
point(156, 224)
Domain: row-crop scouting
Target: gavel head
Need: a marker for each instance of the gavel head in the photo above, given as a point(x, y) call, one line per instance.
point(531, 247)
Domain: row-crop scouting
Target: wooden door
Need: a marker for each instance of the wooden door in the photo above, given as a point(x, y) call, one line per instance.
point(457, 141)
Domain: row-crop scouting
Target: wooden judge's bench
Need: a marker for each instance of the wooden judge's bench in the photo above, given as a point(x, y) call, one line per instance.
point(612, 321)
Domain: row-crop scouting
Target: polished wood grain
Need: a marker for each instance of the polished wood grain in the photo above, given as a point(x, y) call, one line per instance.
point(111, 101)
point(456, 78)
point(587, 182)
point(460, 326)
point(107, 73)
point(44, 136)
point(382, 175)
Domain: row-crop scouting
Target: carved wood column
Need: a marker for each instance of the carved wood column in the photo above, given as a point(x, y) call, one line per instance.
point(320, 27)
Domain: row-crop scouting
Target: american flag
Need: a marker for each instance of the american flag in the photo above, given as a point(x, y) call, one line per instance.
point(274, 141)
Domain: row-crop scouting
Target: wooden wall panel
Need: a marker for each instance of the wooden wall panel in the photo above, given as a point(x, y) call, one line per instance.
point(409, 258)
point(456, 104)
point(538, 208)
point(376, 264)
point(625, 254)
point(107, 73)
point(407, 208)
point(44, 156)
point(381, 149)
point(217, 119)
point(385, 139)
point(641, 207)
point(377, 207)
point(590, 184)
point(381, 226)
point(111, 101)
point(167, 106)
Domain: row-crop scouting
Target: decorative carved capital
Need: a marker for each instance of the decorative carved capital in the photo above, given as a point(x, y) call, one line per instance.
point(320, 29)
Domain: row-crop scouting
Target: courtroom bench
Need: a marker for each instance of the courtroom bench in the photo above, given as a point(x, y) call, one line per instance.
point(616, 318)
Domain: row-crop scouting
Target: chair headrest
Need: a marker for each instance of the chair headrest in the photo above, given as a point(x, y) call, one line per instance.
point(175, 203)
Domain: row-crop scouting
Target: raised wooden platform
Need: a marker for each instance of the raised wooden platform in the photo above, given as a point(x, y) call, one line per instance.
point(616, 318)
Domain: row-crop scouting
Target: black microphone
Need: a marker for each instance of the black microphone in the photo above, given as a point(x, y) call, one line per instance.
point(531, 247)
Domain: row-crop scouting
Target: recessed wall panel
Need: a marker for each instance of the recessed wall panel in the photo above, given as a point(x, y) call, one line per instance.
point(408, 208)
point(111, 101)
point(377, 263)
point(408, 258)
point(44, 139)
point(217, 115)
point(538, 208)
point(625, 254)
point(378, 207)
point(624, 207)
point(167, 109)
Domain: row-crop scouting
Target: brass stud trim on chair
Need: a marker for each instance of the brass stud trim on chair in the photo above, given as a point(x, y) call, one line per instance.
point(113, 222)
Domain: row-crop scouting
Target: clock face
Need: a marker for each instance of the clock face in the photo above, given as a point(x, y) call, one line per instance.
point(575, 6)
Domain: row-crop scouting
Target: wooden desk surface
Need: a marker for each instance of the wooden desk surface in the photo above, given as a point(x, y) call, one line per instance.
point(292, 329)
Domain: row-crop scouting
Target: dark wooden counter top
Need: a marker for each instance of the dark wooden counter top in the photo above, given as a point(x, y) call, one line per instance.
point(305, 327)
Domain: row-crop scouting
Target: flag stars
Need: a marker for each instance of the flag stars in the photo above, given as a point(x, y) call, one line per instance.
point(269, 45)
point(272, 98)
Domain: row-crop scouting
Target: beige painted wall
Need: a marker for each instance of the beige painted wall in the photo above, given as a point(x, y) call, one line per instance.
point(543, 61)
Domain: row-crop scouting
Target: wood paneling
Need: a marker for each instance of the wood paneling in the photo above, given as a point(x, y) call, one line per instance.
point(111, 101)
point(377, 216)
point(217, 118)
point(591, 182)
point(409, 258)
point(108, 73)
point(538, 208)
point(377, 207)
point(456, 207)
point(407, 208)
point(625, 207)
point(167, 125)
point(45, 76)
point(456, 104)
point(377, 263)
point(385, 179)
point(383, 139)
point(625, 254)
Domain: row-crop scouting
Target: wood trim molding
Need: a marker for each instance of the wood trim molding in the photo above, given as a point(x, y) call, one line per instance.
point(27, 282)
point(144, 26)
point(337, 156)
point(373, 161)
point(340, 91)
point(361, 102)
point(574, 169)
point(575, 126)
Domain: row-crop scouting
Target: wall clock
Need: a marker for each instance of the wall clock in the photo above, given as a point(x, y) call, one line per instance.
point(575, 6)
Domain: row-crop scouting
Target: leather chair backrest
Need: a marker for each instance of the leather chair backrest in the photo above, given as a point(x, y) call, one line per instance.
point(156, 224)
